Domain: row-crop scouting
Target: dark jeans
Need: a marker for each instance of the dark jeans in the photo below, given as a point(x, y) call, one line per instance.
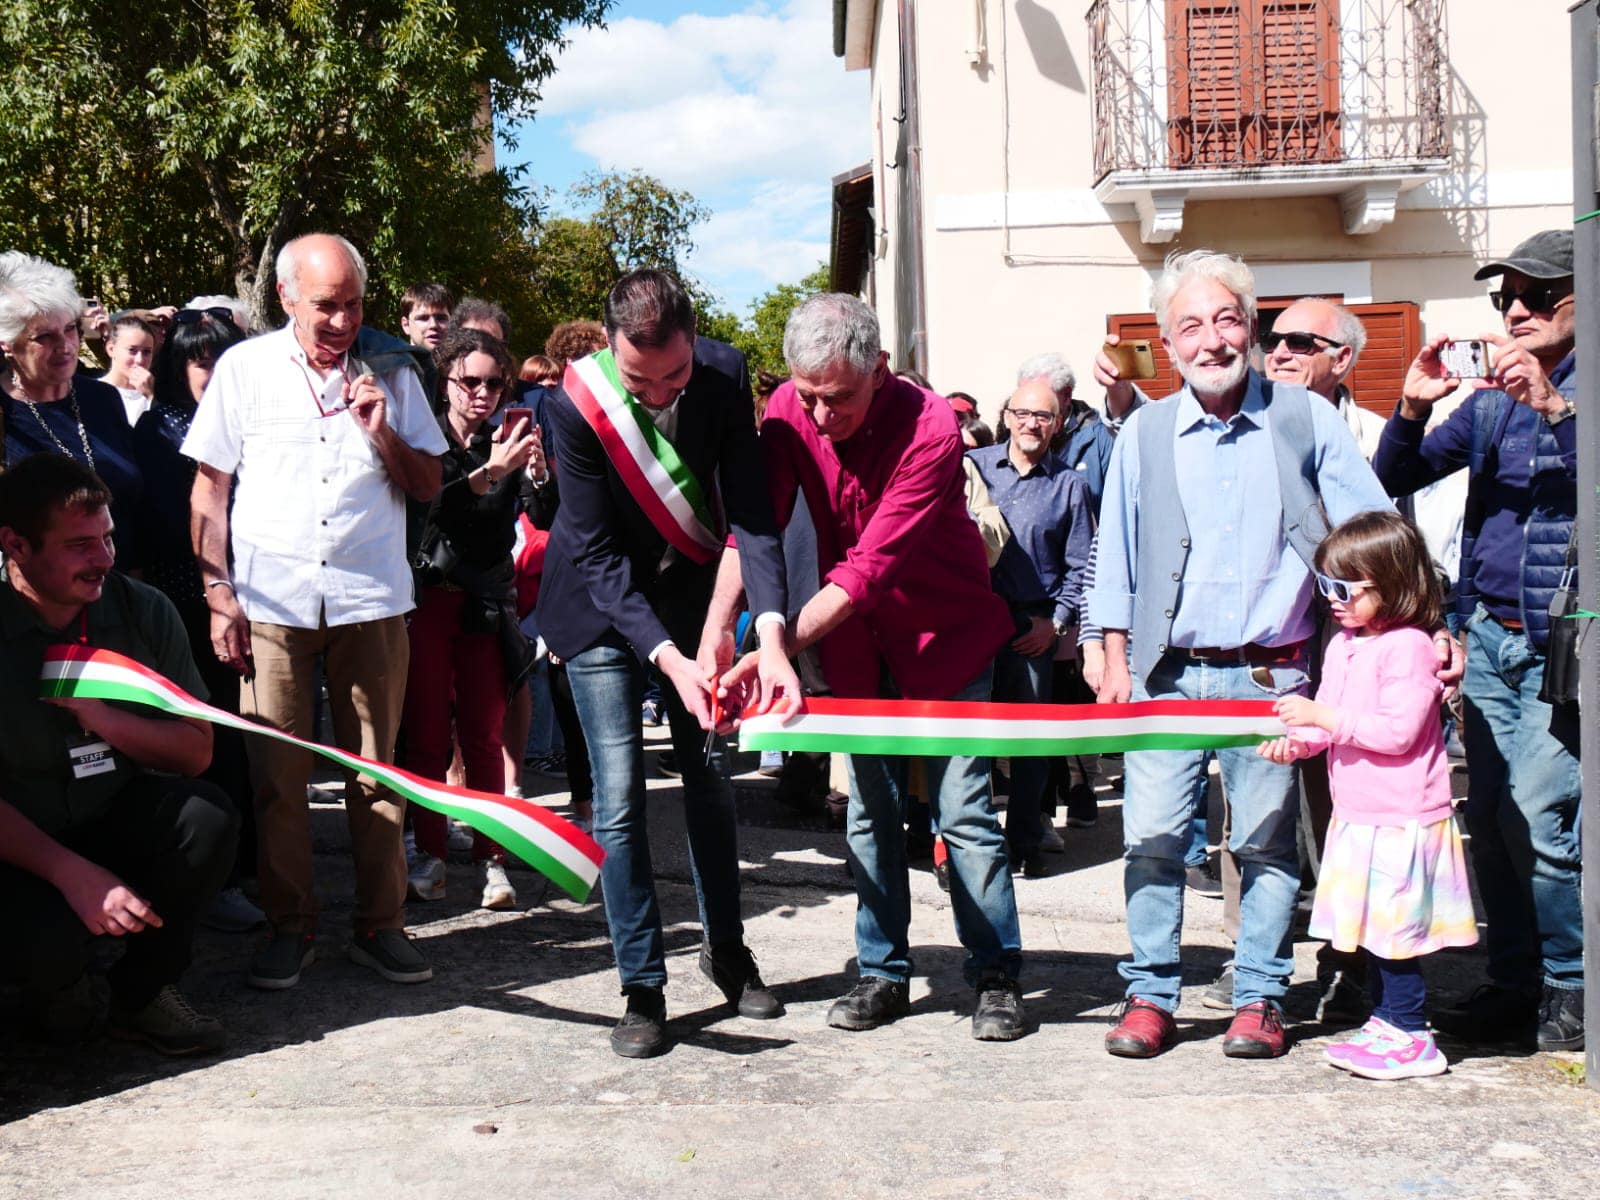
point(608, 686)
point(169, 840)
point(1022, 680)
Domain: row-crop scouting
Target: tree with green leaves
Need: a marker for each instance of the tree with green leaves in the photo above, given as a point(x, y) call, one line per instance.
point(762, 340)
point(161, 150)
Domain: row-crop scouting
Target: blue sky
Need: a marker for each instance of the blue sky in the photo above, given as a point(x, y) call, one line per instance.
point(740, 102)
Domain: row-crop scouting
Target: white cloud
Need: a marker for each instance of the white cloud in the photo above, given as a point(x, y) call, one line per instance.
point(701, 101)
point(778, 236)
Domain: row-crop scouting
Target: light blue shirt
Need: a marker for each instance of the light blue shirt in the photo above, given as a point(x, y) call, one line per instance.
point(1242, 581)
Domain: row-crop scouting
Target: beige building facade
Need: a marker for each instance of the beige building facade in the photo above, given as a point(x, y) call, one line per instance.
point(1034, 161)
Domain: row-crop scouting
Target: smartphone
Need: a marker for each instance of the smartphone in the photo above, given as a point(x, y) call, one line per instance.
point(513, 415)
point(1465, 360)
point(1134, 360)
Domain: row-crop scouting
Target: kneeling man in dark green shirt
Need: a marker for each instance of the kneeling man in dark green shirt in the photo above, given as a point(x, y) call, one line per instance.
point(100, 831)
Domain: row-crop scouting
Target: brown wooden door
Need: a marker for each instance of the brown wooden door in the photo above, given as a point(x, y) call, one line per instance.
point(1252, 82)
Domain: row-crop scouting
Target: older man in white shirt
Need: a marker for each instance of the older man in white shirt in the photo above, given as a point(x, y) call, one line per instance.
point(319, 441)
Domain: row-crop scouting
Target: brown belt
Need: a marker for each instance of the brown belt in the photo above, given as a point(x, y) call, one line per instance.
point(1253, 654)
point(1505, 623)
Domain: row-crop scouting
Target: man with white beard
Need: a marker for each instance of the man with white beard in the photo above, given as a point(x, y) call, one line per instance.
point(1212, 513)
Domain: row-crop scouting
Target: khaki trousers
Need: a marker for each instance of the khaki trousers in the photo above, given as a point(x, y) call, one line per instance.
point(366, 670)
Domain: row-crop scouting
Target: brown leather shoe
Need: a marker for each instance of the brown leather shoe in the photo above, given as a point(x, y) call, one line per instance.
point(1256, 1031)
point(1143, 1030)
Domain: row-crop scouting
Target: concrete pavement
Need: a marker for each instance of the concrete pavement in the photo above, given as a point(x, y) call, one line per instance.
point(496, 1080)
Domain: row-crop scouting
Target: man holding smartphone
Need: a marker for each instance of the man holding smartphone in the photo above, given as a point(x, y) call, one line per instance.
point(1517, 439)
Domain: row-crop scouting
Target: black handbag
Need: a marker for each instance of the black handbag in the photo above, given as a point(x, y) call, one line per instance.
point(1561, 673)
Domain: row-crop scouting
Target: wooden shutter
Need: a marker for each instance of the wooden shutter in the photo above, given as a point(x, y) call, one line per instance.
point(1252, 82)
point(1133, 326)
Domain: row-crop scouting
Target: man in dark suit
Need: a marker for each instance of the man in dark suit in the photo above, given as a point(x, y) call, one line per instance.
point(648, 500)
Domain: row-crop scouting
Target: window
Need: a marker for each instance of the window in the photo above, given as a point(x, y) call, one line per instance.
point(1252, 82)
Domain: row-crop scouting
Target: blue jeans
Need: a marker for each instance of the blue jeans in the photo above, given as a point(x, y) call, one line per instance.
point(980, 874)
point(1158, 811)
point(1523, 789)
point(1020, 680)
point(1197, 855)
point(608, 689)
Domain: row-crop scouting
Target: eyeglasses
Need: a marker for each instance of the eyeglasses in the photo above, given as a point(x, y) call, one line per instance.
point(193, 316)
point(1298, 342)
point(1342, 590)
point(1023, 416)
point(1536, 297)
point(493, 384)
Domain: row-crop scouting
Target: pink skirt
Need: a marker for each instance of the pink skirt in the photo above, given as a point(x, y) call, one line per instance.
point(1398, 891)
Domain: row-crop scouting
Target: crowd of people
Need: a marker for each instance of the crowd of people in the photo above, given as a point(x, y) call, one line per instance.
point(448, 555)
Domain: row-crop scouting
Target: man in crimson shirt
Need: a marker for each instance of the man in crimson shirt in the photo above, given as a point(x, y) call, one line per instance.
point(905, 611)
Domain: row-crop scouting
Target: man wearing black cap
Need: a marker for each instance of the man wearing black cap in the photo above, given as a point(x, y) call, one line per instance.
point(1516, 438)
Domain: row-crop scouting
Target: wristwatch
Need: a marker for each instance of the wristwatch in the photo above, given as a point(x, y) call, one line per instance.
point(1565, 414)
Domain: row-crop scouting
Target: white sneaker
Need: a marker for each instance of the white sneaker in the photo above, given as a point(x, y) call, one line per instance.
point(497, 890)
point(425, 880)
point(1050, 840)
point(460, 836)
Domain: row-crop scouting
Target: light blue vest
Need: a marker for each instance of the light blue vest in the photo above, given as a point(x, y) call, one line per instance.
point(1162, 544)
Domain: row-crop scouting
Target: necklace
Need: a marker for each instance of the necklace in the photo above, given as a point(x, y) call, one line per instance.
point(77, 419)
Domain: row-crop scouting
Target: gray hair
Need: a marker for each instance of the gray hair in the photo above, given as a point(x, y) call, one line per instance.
point(1054, 369)
point(288, 264)
point(832, 329)
point(1347, 327)
point(32, 288)
point(240, 309)
point(1184, 268)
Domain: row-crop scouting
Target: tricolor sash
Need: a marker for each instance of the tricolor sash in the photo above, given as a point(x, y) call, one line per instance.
point(939, 728)
point(555, 848)
point(657, 479)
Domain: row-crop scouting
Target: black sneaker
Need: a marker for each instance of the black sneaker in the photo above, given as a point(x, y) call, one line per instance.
point(281, 960)
point(391, 954)
point(998, 1017)
point(667, 764)
point(872, 1002)
point(169, 1025)
point(1220, 994)
point(1029, 864)
point(1343, 996)
point(1560, 1019)
point(1204, 880)
point(732, 968)
point(62, 1016)
point(642, 1032)
point(1083, 810)
point(1492, 1015)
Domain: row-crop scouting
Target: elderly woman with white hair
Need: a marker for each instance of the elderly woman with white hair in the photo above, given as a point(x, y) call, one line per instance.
point(47, 405)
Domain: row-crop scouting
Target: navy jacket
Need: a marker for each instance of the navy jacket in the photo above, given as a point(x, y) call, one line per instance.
point(1520, 502)
point(601, 569)
point(1086, 445)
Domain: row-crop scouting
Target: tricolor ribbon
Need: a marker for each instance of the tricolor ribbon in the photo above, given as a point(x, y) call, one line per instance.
point(556, 848)
point(659, 481)
point(938, 728)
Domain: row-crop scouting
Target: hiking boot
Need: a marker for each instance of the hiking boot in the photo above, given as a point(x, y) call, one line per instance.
point(278, 964)
point(498, 893)
point(231, 911)
point(391, 954)
point(998, 1016)
point(1492, 1015)
point(425, 879)
point(1560, 1019)
point(872, 1002)
point(732, 968)
point(642, 1032)
point(1220, 994)
point(1256, 1031)
point(169, 1025)
point(1143, 1030)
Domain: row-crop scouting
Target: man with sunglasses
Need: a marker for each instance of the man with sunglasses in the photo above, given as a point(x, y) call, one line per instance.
point(309, 440)
point(1516, 437)
point(1203, 589)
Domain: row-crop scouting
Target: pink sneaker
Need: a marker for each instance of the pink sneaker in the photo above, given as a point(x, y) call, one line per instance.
point(1375, 1030)
point(1411, 1058)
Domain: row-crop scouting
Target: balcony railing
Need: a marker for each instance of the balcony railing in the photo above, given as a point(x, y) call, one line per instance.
point(1205, 85)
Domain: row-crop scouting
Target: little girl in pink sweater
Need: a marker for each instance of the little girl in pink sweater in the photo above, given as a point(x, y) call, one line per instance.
point(1394, 878)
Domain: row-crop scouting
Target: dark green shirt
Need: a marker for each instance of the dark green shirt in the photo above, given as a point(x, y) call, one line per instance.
point(35, 771)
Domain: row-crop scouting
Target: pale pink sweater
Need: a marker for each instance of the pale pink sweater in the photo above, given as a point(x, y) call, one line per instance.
point(1386, 762)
